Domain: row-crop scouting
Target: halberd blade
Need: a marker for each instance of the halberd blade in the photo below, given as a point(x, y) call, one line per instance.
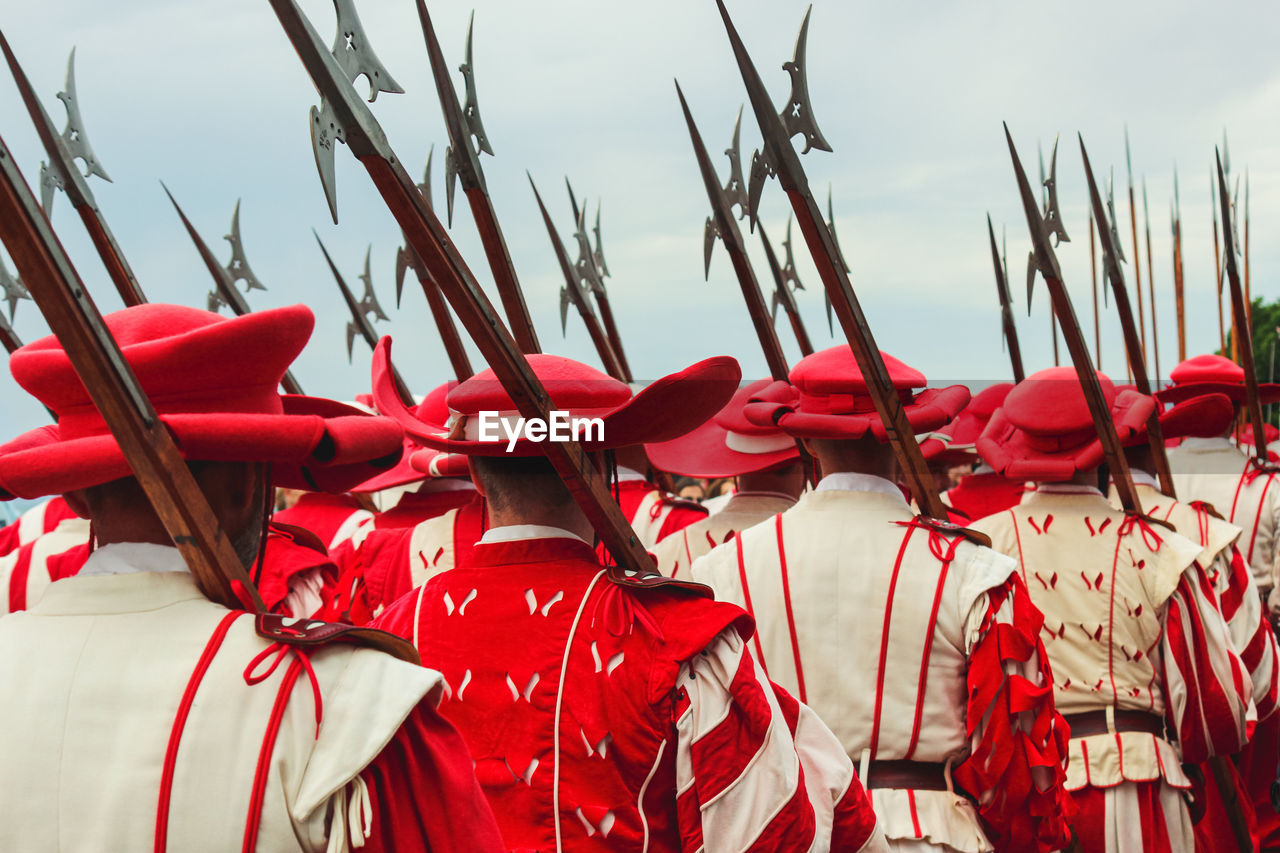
point(564, 311)
point(735, 189)
point(585, 265)
point(368, 303)
point(403, 258)
point(789, 274)
point(12, 288)
point(797, 117)
point(831, 226)
point(709, 234)
point(355, 57)
point(471, 108)
point(450, 179)
point(352, 331)
point(238, 266)
point(75, 140)
point(762, 169)
point(598, 254)
point(1111, 216)
point(1052, 214)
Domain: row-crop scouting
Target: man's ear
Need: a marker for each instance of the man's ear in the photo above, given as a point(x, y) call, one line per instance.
point(475, 481)
point(77, 502)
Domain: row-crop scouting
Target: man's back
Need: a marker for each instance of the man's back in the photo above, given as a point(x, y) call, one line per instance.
point(123, 686)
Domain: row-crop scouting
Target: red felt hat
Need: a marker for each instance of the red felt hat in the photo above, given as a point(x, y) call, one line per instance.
point(666, 408)
point(827, 398)
point(727, 445)
point(214, 381)
point(1044, 430)
point(432, 463)
point(1213, 374)
point(1246, 433)
point(956, 442)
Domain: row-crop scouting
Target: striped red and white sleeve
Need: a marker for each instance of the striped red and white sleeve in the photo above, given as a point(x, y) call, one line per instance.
point(755, 769)
point(1247, 624)
point(1207, 687)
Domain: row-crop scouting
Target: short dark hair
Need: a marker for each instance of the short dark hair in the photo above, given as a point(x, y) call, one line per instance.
point(511, 480)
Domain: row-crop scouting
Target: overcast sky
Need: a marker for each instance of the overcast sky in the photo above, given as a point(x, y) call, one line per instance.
point(911, 96)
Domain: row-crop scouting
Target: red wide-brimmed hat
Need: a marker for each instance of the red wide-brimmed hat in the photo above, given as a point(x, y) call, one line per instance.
point(666, 408)
point(956, 443)
point(1213, 374)
point(728, 444)
point(213, 380)
point(827, 398)
point(430, 463)
point(1044, 431)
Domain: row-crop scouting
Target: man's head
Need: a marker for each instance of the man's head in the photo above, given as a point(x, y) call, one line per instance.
point(787, 479)
point(237, 492)
point(527, 490)
point(866, 455)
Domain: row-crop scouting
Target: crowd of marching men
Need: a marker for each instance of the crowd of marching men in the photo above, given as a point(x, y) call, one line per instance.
point(1042, 671)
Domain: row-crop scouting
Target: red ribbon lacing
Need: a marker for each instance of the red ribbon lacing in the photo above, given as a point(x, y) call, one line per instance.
point(1149, 536)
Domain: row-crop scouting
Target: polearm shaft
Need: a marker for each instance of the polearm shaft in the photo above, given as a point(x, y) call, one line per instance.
point(145, 440)
point(1248, 293)
point(731, 236)
point(467, 163)
point(785, 297)
point(1093, 274)
point(843, 300)
point(1242, 336)
point(1151, 284)
point(1006, 309)
point(1175, 216)
point(586, 483)
point(604, 349)
point(1053, 335)
point(1132, 342)
point(78, 191)
point(230, 293)
point(1047, 263)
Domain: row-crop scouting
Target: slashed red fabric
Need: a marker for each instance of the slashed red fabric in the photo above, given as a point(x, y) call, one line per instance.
point(1016, 771)
point(980, 495)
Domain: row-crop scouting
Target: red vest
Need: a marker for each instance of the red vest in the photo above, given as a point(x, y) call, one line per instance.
point(497, 630)
point(981, 495)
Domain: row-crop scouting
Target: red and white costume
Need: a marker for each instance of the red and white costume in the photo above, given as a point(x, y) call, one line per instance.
point(333, 773)
point(149, 717)
point(604, 717)
point(1144, 667)
point(27, 571)
point(654, 514)
point(949, 651)
point(676, 553)
point(983, 493)
point(332, 518)
point(34, 523)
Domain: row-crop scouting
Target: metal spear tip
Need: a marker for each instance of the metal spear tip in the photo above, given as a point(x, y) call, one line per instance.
point(355, 55)
point(325, 132)
point(471, 107)
point(797, 116)
point(709, 234)
point(73, 134)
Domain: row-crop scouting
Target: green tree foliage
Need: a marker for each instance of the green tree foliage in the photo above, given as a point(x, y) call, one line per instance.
point(1266, 341)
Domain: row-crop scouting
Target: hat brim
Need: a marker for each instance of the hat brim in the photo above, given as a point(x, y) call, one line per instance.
point(1200, 417)
point(666, 408)
point(927, 411)
point(704, 452)
point(1010, 451)
point(1268, 392)
point(315, 445)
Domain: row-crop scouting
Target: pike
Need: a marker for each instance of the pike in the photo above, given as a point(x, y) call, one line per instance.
point(783, 161)
point(1217, 267)
point(786, 282)
point(1132, 342)
point(572, 292)
point(63, 149)
point(1151, 282)
point(145, 440)
point(1248, 293)
point(722, 223)
point(1043, 260)
point(462, 161)
point(1115, 240)
point(225, 278)
point(1093, 274)
point(1137, 247)
point(1240, 320)
point(593, 277)
point(361, 310)
point(11, 289)
point(427, 237)
point(1053, 221)
point(1006, 309)
point(1175, 216)
point(405, 258)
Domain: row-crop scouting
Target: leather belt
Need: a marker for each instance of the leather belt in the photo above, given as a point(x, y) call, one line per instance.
point(1095, 723)
point(919, 775)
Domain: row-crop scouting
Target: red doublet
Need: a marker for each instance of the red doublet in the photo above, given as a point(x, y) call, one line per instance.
point(322, 514)
point(668, 513)
point(415, 507)
point(980, 495)
point(498, 631)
